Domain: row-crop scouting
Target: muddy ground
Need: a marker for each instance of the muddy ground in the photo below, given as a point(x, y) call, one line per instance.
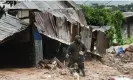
point(94, 71)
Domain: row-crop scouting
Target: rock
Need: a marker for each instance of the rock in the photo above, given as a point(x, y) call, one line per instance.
point(119, 78)
point(63, 72)
point(46, 72)
point(127, 68)
point(130, 48)
point(127, 57)
point(110, 50)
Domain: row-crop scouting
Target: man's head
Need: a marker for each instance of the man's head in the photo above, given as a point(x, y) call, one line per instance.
point(78, 38)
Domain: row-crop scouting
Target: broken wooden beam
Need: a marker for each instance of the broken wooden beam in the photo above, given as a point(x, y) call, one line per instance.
point(59, 63)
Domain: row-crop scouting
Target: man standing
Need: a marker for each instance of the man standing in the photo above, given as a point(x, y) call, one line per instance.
point(76, 52)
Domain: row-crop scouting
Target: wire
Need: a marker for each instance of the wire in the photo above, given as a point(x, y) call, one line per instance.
point(108, 2)
point(84, 2)
point(104, 4)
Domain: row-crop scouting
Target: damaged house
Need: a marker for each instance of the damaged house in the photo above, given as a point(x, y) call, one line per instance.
point(128, 25)
point(100, 39)
point(15, 42)
point(52, 27)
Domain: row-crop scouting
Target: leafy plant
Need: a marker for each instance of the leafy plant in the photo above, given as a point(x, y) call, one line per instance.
point(95, 16)
point(99, 16)
point(128, 41)
point(116, 23)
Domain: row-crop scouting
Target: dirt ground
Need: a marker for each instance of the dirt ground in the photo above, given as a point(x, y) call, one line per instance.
point(94, 71)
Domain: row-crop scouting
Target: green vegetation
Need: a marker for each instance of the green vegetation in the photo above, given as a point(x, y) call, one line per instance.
point(127, 7)
point(95, 16)
point(99, 16)
point(128, 41)
point(116, 24)
point(123, 8)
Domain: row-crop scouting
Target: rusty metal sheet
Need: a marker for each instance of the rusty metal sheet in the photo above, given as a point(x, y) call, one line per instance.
point(10, 25)
point(101, 43)
point(53, 27)
point(57, 8)
point(86, 37)
point(73, 16)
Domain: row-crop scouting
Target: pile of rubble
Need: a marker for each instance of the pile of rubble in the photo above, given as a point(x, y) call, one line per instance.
point(126, 68)
point(50, 64)
point(128, 55)
point(53, 64)
point(123, 62)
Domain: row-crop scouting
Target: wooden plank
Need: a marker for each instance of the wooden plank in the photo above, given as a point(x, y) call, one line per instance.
point(58, 62)
point(27, 17)
point(94, 53)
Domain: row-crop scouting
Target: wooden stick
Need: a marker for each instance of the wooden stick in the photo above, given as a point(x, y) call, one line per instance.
point(60, 64)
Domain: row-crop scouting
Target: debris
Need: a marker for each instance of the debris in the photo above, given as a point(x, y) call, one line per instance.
point(130, 48)
point(94, 71)
point(110, 50)
point(64, 72)
point(119, 50)
point(49, 64)
point(127, 57)
point(46, 72)
point(123, 63)
point(45, 76)
point(49, 76)
point(126, 68)
point(120, 78)
point(59, 63)
point(75, 75)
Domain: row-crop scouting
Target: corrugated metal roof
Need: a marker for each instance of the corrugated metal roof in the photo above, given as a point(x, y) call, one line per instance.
point(74, 4)
point(53, 27)
point(94, 27)
point(127, 14)
point(98, 28)
point(41, 5)
point(45, 5)
point(57, 8)
point(10, 25)
point(69, 13)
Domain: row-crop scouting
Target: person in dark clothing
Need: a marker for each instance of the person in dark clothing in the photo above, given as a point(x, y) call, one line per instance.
point(76, 52)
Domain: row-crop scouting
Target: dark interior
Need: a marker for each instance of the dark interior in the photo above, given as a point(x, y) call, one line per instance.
point(94, 38)
point(17, 51)
point(53, 48)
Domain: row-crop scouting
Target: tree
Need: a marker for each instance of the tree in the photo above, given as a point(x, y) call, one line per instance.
point(96, 5)
point(117, 23)
point(96, 16)
point(123, 8)
point(105, 17)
